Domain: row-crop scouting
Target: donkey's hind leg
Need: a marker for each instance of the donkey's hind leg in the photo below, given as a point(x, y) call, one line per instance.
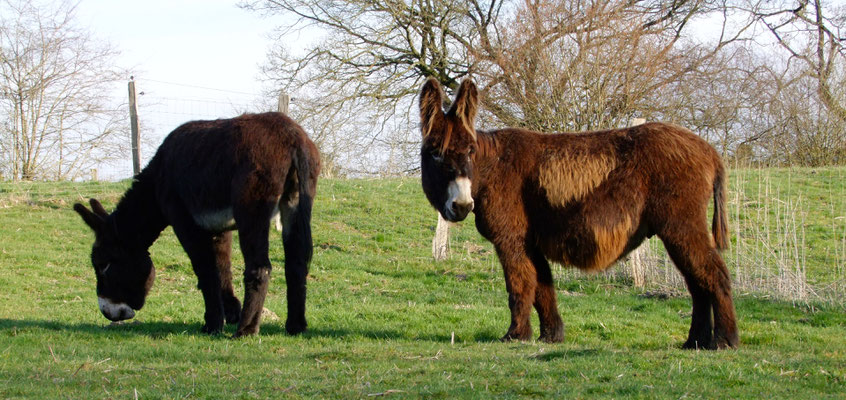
point(546, 303)
point(709, 283)
point(297, 241)
point(253, 219)
point(223, 259)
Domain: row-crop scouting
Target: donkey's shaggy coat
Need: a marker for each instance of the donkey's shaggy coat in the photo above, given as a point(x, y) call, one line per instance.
point(207, 178)
point(581, 199)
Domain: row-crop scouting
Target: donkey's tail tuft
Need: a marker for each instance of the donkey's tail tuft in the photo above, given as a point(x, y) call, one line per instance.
point(719, 225)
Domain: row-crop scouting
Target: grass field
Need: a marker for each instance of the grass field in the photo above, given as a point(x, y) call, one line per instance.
point(385, 320)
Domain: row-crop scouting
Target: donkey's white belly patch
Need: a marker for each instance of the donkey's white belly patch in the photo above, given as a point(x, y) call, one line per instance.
point(223, 219)
point(220, 220)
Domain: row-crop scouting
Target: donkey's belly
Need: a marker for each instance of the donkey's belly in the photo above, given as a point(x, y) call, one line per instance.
point(216, 220)
point(223, 219)
point(592, 250)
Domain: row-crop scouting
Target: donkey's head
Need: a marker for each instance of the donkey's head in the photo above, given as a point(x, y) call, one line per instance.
point(124, 273)
point(449, 144)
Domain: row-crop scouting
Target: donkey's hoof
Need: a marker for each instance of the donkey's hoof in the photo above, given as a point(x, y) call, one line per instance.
point(244, 332)
point(212, 329)
point(698, 344)
point(295, 328)
point(554, 337)
point(233, 315)
point(516, 336)
point(721, 343)
point(233, 318)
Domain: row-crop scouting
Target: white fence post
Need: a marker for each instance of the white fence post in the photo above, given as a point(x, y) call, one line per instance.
point(133, 123)
point(284, 100)
point(440, 243)
point(638, 257)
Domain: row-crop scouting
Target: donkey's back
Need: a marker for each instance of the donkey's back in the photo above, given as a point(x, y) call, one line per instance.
point(206, 166)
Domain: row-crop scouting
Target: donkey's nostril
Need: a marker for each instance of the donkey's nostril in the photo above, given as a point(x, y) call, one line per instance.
point(457, 207)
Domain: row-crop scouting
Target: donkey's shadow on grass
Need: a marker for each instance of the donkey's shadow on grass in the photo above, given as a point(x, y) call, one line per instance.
point(158, 329)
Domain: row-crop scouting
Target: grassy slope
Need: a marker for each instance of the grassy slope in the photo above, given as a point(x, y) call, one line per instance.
point(803, 207)
point(382, 316)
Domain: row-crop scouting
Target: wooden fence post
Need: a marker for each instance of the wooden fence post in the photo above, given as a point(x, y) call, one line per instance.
point(133, 122)
point(639, 257)
point(284, 99)
point(282, 107)
point(440, 243)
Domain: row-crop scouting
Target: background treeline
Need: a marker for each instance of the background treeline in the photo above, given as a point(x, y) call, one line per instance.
point(763, 81)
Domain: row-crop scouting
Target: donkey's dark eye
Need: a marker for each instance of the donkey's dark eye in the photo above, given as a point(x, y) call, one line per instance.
point(437, 157)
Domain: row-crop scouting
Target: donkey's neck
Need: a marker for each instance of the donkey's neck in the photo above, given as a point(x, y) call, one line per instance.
point(137, 219)
point(487, 154)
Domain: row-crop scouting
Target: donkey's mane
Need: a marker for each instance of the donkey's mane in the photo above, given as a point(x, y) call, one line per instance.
point(137, 218)
point(487, 143)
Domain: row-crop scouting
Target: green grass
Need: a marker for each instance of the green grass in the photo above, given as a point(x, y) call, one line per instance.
point(801, 211)
point(384, 318)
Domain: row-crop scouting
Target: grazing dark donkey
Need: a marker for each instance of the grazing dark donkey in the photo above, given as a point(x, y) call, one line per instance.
point(206, 179)
point(581, 199)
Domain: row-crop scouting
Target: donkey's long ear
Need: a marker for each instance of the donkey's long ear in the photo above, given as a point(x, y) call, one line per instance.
point(98, 208)
point(465, 105)
point(91, 219)
point(431, 113)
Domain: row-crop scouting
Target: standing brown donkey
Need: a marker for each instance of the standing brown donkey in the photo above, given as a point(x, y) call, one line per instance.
point(581, 199)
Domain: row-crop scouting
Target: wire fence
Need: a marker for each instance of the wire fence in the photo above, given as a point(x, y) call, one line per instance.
point(163, 106)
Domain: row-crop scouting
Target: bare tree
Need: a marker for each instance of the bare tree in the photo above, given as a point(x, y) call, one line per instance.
point(548, 65)
point(809, 77)
point(774, 100)
point(812, 32)
point(54, 76)
point(563, 65)
point(367, 66)
point(567, 65)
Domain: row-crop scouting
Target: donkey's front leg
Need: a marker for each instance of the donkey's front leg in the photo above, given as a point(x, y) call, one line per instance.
point(521, 283)
point(253, 233)
point(202, 249)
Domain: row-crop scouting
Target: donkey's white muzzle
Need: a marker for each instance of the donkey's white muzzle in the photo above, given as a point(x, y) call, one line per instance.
point(459, 199)
point(115, 311)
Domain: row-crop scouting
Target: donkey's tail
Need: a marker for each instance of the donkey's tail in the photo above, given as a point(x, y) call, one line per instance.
point(297, 228)
point(719, 225)
point(296, 236)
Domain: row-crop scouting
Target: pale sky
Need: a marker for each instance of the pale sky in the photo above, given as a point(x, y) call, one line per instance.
point(176, 48)
point(199, 42)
